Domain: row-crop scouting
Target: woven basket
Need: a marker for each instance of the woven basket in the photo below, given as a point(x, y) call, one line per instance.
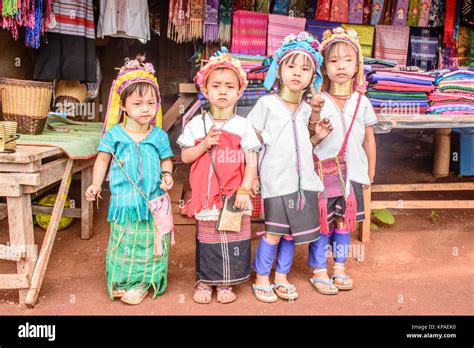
point(26, 102)
point(71, 89)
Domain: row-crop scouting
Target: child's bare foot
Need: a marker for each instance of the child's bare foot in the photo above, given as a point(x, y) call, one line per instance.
point(263, 289)
point(203, 294)
point(322, 283)
point(341, 280)
point(283, 288)
point(225, 295)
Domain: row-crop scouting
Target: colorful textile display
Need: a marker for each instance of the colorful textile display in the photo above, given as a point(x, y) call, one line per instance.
point(211, 23)
point(279, 27)
point(249, 32)
point(414, 13)
point(356, 11)
point(436, 13)
point(391, 43)
point(310, 10)
point(401, 13)
point(339, 11)
point(366, 37)
point(376, 13)
point(263, 6)
point(317, 27)
point(388, 12)
point(225, 21)
point(454, 92)
point(323, 10)
point(425, 8)
point(467, 12)
point(423, 48)
point(178, 20)
point(297, 8)
point(281, 7)
point(196, 20)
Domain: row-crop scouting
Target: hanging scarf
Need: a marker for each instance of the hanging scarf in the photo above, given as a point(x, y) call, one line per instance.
point(178, 19)
point(464, 46)
point(436, 13)
point(340, 11)
point(32, 35)
point(249, 32)
point(414, 13)
point(263, 6)
point(310, 9)
point(366, 34)
point(457, 21)
point(401, 13)
point(388, 12)
point(297, 8)
point(424, 13)
point(211, 24)
point(391, 43)
point(367, 10)
point(246, 5)
point(194, 29)
point(323, 10)
point(449, 24)
point(423, 48)
point(376, 14)
point(356, 11)
point(225, 21)
point(281, 7)
point(467, 12)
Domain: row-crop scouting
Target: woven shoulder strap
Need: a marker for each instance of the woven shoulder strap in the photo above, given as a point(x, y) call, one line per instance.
point(346, 138)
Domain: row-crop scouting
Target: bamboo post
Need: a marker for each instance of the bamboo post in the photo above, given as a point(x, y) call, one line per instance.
point(47, 247)
point(364, 235)
point(442, 152)
point(87, 208)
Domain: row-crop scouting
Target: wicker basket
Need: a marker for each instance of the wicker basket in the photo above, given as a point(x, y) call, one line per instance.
point(26, 102)
point(71, 89)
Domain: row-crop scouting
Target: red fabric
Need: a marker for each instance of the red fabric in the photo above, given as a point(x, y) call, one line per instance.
point(449, 19)
point(323, 10)
point(323, 214)
point(231, 174)
point(256, 75)
point(350, 214)
point(393, 86)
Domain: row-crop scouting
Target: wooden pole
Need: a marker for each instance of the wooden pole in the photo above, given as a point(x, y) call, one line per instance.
point(364, 235)
point(442, 152)
point(47, 247)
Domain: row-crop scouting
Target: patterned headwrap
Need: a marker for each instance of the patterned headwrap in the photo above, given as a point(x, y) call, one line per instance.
point(221, 59)
point(349, 36)
point(132, 72)
point(301, 43)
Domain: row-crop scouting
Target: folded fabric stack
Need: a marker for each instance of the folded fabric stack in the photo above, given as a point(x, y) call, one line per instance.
point(399, 92)
point(454, 92)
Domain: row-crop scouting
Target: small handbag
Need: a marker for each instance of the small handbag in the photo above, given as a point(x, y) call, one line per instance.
point(230, 218)
point(333, 171)
point(161, 212)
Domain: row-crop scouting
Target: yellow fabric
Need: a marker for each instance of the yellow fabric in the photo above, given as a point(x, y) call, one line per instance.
point(366, 37)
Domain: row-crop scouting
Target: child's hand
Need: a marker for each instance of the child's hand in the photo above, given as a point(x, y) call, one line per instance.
point(167, 182)
point(241, 201)
point(256, 186)
point(317, 101)
point(321, 131)
point(92, 191)
point(212, 138)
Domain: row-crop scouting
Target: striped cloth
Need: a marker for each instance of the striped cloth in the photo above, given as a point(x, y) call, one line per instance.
point(401, 13)
point(74, 17)
point(279, 27)
point(366, 37)
point(391, 43)
point(423, 47)
point(130, 261)
point(318, 27)
point(249, 32)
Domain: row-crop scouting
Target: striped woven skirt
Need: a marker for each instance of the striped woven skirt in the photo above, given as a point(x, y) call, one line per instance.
point(130, 261)
point(222, 257)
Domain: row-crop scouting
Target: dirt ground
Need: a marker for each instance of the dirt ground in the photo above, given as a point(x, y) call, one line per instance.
point(420, 265)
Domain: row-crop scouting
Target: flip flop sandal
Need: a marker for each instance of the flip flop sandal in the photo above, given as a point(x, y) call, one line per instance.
point(290, 293)
point(332, 288)
point(206, 291)
point(118, 293)
point(220, 295)
point(343, 286)
point(134, 296)
point(269, 296)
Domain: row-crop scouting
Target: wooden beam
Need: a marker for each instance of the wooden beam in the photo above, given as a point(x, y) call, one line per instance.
point(10, 189)
point(463, 186)
point(425, 204)
point(67, 212)
point(424, 118)
point(364, 235)
point(30, 167)
point(176, 111)
point(29, 153)
point(14, 281)
point(10, 253)
point(87, 208)
point(47, 247)
point(188, 88)
point(21, 178)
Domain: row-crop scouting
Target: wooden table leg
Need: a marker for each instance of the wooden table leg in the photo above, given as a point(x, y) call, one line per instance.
point(87, 208)
point(442, 152)
point(47, 247)
point(21, 236)
point(364, 235)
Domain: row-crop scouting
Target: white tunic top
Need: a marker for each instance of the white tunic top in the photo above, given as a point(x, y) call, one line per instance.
point(357, 164)
point(278, 161)
point(237, 125)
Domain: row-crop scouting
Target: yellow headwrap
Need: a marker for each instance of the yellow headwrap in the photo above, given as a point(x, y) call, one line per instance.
point(134, 71)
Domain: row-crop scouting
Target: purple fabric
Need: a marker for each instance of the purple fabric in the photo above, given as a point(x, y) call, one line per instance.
point(264, 257)
point(286, 251)
point(356, 11)
point(317, 256)
point(401, 13)
point(375, 78)
point(340, 243)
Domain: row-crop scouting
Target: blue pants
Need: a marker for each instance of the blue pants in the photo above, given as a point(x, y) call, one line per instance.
point(266, 253)
point(318, 250)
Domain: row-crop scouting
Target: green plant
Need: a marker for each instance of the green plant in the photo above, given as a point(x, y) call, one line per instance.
point(381, 216)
